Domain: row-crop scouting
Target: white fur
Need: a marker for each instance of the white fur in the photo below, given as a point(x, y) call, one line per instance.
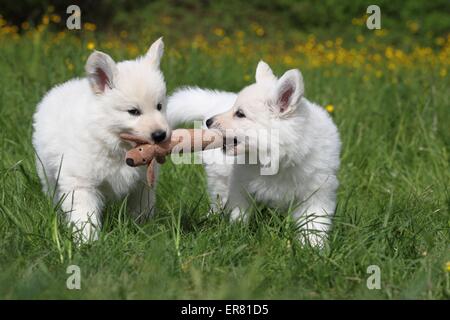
point(203, 103)
point(309, 148)
point(76, 137)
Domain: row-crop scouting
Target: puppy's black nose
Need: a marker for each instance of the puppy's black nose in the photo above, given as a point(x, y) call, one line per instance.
point(159, 135)
point(209, 122)
point(130, 162)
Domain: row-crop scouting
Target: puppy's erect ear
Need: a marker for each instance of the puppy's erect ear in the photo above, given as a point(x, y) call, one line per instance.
point(288, 91)
point(155, 53)
point(101, 70)
point(263, 72)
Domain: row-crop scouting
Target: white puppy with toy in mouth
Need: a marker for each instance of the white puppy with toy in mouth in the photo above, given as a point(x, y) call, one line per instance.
point(76, 137)
point(307, 149)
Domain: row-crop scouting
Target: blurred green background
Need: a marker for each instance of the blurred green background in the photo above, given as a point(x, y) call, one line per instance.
point(330, 18)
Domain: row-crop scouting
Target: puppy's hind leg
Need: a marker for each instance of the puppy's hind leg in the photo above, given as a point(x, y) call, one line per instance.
point(315, 223)
point(315, 214)
point(315, 218)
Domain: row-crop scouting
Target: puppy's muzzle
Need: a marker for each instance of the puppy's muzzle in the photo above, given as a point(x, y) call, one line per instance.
point(159, 136)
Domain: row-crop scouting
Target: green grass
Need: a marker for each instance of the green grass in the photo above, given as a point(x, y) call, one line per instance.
point(393, 208)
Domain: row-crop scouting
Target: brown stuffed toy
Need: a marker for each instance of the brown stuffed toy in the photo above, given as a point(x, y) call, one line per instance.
point(146, 152)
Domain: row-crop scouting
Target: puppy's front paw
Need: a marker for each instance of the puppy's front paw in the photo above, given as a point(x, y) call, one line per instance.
point(215, 208)
point(85, 233)
point(238, 215)
point(314, 238)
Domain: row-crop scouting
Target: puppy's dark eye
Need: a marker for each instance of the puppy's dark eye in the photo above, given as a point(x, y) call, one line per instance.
point(159, 106)
point(134, 112)
point(239, 114)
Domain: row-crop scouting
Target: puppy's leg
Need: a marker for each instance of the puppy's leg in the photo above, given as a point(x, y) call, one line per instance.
point(218, 176)
point(141, 202)
point(315, 213)
point(314, 217)
point(238, 202)
point(218, 185)
point(82, 207)
point(315, 222)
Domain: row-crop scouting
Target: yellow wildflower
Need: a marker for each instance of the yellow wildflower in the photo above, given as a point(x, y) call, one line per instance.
point(288, 60)
point(90, 26)
point(380, 32)
point(413, 26)
point(447, 266)
point(240, 34)
point(329, 108)
point(45, 20)
point(132, 49)
point(219, 32)
point(389, 53)
point(259, 31)
point(55, 18)
point(358, 21)
point(90, 45)
point(330, 56)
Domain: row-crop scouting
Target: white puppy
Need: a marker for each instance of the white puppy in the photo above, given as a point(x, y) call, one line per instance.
point(80, 157)
point(305, 155)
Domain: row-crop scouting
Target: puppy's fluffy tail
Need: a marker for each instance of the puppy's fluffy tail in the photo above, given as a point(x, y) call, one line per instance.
point(191, 103)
